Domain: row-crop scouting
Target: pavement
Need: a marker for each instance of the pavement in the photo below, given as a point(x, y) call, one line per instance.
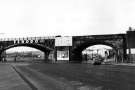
point(125, 64)
point(10, 80)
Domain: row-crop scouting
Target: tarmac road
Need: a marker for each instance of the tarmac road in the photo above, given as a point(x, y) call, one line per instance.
point(91, 77)
point(78, 76)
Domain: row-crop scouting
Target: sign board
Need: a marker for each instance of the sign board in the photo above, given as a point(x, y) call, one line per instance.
point(63, 41)
point(63, 55)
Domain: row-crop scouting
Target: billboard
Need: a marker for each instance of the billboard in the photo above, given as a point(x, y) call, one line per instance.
point(63, 41)
point(63, 55)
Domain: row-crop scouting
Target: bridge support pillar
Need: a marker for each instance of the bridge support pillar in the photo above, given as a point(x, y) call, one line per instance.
point(76, 58)
point(124, 50)
point(46, 55)
point(0, 56)
point(55, 54)
point(3, 56)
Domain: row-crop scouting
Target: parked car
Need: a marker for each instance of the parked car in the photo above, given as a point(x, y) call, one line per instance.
point(97, 60)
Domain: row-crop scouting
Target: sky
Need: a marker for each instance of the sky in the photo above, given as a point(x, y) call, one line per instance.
point(97, 49)
point(22, 18)
point(31, 18)
point(21, 49)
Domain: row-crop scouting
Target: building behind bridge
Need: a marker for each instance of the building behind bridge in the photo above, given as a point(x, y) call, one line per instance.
point(131, 45)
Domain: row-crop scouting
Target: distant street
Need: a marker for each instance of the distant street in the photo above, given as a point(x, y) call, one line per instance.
point(89, 77)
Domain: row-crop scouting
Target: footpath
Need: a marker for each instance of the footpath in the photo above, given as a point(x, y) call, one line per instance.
point(10, 80)
point(125, 64)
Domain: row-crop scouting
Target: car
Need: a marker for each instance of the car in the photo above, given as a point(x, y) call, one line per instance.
point(97, 60)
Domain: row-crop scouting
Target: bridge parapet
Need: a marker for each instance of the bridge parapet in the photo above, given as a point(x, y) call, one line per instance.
point(41, 41)
point(27, 38)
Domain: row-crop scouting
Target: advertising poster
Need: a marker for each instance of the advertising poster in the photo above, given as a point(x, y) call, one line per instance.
point(63, 41)
point(63, 54)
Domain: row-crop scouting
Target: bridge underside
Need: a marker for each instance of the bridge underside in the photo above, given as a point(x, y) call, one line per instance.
point(42, 48)
point(118, 44)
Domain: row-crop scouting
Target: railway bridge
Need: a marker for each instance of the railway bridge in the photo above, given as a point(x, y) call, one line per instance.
point(74, 45)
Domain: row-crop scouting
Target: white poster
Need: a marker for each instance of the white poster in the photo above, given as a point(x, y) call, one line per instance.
point(63, 55)
point(63, 41)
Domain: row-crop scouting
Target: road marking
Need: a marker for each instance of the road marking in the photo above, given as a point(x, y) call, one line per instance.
point(89, 88)
point(77, 83)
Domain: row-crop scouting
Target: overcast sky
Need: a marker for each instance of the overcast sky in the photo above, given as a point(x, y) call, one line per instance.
point(21, 18)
